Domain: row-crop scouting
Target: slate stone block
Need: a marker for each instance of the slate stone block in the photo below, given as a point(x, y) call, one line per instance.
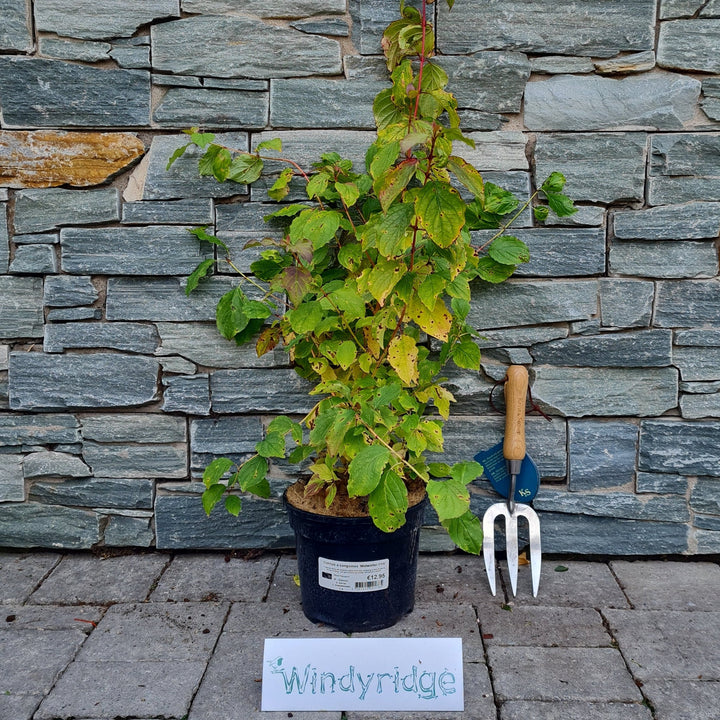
point(175, 49)
point(154, 460)
point(502, 151)
point(706, 405)
point(670, 9)
point(187, 393)
point(664, 259)
point(688, 303)
point(180, 522)
point(163, 299)
point(666, 190)
point(602, 454)
point(260, 390)
point(316, 102)
point(657, 101)
point(599, 167)
point(626, 303)
point(37, 239)
point(134, 493)
point(565, 533)
point(705, 497)
point(51, 382)
point(606, 392)
point(132, 428)
point(114, 18)
point(34, 260)
point(36, 525)
point(697, 363)
point(152, 180)
point(267, 8)
point(561, 65)
point(18, 429)
point(700, 337)
point(52, 93)
point(47, 463)
point(594, 29)
point(133, 337)
point(635, 63)
point(687, 221)
point(74, 314)
point(4, 241)
point(21, 312)
point(613, 504)
point(69, 291)
point(159, 250)
point(47, 209)
point(327, 26)
point(531, 302)
point(493, 82)
point(212, 108)
point(127, 531)
point(188, 211)
point(15, 33)
point(369, 20)
point(689, 45)
point(686, 448)
point(661, 483)
point(83, 50)
point(137, 58)
point(651, 348)
point(202, 344)
point(12, 484)
point(223, 436)
point(557, 252)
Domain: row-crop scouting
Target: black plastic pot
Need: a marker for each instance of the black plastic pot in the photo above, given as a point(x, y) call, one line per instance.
point(352, 575)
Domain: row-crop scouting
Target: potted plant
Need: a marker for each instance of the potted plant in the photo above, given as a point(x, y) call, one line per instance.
point(368, 290)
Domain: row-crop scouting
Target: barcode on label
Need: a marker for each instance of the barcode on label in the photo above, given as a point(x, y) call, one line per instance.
point(369, 584)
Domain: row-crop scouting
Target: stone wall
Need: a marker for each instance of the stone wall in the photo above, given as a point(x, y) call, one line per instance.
point(115, 388)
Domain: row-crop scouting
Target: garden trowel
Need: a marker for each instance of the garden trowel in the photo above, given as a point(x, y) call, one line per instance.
point(514, 476)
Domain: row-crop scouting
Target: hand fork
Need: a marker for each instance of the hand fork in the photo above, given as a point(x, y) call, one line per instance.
point(514, 453)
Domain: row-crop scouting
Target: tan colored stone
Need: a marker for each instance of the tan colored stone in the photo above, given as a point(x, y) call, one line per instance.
point(49, 158)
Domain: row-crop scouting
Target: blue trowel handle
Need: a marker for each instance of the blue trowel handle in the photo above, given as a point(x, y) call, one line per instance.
point(515, 393)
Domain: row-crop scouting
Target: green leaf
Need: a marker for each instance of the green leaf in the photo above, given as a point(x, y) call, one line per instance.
point(386, 112)
point(321, 227)
point(346, 353)
point(541, 213)
point(434, 77)
point(252, 477)
point(430, 289)
point(388, 502)
point(554, 183)
point(508, 250)
point(317, 184)
point(305, 317)
point(296, 281)
point(466, 532)
point(383, 278)
point(281, 187)
point(215, 470)
point(211, 497)
point(441, 212)
point(389, 185)
point(388, 232)
point(179, 152)
point(383, 158)
point(450, 498)
point(284, 425)
point(366, 468)
point(466, 354)
point(198, 274)
point(202, 140)
point(560, 204)
point(229, 315)
point(467, 175)
point(441, 470)
point(348, 192)
point(403, 357)
point(494, 272)
point(350, 256)
point(274, 144)
point(349, 302)
point(466, 471)
point(202, 236)
point(288, 210)
point(233, 505)
point(498, 200)
point(272, 446)
point(245, 168)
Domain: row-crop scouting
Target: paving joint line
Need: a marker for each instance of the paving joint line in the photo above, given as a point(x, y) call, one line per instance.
point(496, 702)
point(620, 585)
point(156, 581)
point(271, 578)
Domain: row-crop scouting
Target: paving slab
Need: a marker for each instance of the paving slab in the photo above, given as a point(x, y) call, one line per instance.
point(451, 578)
point(156, 631)
point(681, 699)
point(231, 688)
point(283, 588)
point(50, 617)
point(558, 674)
point(668, 643)
point(31, 660)
point(20, 573)
point(101, 581)
point(123, 689)
point(667, 585)
point(18, 707)
point(215, 576)
point(543, 627)
point(273, 620)
point(528, 710)
point(576, 583)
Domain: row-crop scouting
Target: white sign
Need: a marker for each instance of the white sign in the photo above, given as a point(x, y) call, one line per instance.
point(423, 674)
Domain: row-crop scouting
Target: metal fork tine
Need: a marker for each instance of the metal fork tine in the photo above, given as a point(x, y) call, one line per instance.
point(511, 545)
point(535, 549)
point(489, 546)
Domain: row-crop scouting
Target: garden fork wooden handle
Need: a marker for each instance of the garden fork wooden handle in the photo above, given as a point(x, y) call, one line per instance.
point(515, 393)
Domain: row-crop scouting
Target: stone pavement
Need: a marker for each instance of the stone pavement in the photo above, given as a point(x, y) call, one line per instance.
point(180, 637)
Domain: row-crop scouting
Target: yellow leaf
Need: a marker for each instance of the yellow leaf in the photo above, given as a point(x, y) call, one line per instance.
point(436, 322)
point(403, 356)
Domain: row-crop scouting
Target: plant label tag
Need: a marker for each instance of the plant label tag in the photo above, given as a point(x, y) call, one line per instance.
point(320, 674)
point(354, 577)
